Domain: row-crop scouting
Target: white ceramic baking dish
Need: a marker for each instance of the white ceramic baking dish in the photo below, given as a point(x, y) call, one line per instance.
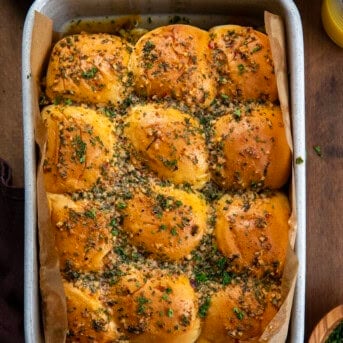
point(204, 12)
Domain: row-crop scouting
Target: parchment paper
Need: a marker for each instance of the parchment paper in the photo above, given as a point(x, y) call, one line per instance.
point(53, 298)
point(277, 330)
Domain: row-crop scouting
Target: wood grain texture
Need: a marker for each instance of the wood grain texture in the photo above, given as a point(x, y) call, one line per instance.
point(326, 325)
point(324, 127)
point(11, 134)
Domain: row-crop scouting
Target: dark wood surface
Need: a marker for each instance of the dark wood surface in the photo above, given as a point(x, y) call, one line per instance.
point(324, 128)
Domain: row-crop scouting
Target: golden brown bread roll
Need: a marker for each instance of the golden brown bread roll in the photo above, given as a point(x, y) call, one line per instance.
point(163, 310)
point(88, 318)
point(79, 144)
point(130, 280)
point(82, 234)
point(244, 62)
point(167, 222)
point(89, 68)
point(170, 142)
point(174, 61)
point(239, 312)
point(252, 230)
point(249, 148)
point(149, 263)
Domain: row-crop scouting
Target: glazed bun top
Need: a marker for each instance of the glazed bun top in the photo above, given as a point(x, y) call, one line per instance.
point(244, 61)
point(163, 310)
point(250, 149)
point(170, 142)
point(79, 144)
point(82, 234)
point(89, 68)
point(88, 320)
point(174, 61)
point(167, 222)
point(239, 313)
point(252, 230)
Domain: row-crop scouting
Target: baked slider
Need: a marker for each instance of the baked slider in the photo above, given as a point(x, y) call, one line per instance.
point(174, 61)
point(82, 234)
point(167, 222)
point(249, 148)
point(170, 142)
point(89, 68)
point(163, 310)
point(252, 230)
point(239, 313)
point(244, 62)
point(79, 146)
point(88, 318)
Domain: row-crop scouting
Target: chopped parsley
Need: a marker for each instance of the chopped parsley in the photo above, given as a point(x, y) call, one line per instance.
point(170, 164)
point(336, 336)
point(113, 222)
point(114, 232)
point(148, 46)
point(142, 301)
point(211, 192)
point(185, 320)
point(201, 277)
point(226, 280)
point(239, 313)
point(80, 148)
point(170, 313)
point(241, 69)
point(90, 73)
point(109, 112)
point(203, 309)
point(162, 227)
point(299, 160)
point(318, 150)
point(237, 114)
point(121, 205)
point(173, 232)
point(256, 48)
point(91, 213)
point(178, 203)
point(165, 297)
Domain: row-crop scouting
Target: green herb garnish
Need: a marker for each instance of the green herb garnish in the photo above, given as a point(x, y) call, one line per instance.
point(90, 73)
point(90, 213)
point(318, 150)
point(239, 313)
point(237, 114)
point(148, 46)
point(336, 336)
point(203, 309)
point(170, 313)
point(142, 301)
point(201, 277)
point(80, 148)
point(299, 160)
point(241, 69)
point(256, 48)
point(121, 205)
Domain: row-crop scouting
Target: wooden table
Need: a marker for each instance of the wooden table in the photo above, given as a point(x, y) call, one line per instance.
point(324, 128)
